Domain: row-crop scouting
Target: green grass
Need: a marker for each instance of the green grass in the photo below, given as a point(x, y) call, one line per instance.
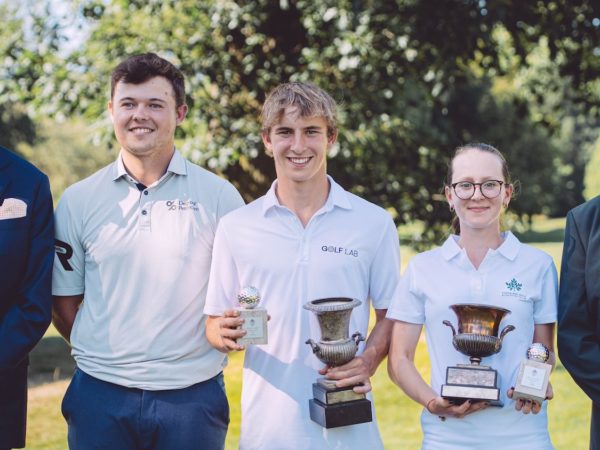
point(397, 415)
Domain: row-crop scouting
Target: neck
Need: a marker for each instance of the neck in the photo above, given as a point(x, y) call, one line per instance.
point(305, 198)
point(477, 242)
point(146, 169)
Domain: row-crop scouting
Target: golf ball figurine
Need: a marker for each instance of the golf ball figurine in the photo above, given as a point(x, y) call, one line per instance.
point(534, 374)
point(255, 317)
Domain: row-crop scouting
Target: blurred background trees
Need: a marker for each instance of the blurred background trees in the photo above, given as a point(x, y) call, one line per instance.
point(414, 79)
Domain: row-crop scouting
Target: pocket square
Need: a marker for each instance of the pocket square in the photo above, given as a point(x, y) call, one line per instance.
point(13, 208)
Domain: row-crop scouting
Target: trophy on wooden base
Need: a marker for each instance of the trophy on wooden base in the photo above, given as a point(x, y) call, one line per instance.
point(332, 406)
point(255, 317)
point(477, 338)
point(534, 374)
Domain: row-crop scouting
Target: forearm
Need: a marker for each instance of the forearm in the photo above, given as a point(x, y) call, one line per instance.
point(401, 366)
point(403, 373)
point(378, 343)
point(544, 334)
point(64, 310)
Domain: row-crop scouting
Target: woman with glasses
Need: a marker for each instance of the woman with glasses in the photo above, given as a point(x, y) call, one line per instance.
point(478, 264)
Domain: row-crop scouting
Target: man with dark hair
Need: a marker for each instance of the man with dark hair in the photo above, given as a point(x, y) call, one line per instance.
point(134, 245)
point(579, 305)
point(26, 250)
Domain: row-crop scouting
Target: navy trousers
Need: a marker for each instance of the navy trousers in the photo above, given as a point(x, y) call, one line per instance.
point(13, 406)
point(102, 415)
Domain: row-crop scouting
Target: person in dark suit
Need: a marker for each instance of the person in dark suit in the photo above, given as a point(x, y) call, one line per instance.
point(26, 258)
point(579, 305)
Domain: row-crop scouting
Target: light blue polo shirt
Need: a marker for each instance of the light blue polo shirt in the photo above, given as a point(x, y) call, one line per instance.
point(142, 260)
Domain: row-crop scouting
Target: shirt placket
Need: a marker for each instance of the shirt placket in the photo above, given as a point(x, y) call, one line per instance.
point(144, 206)
point(477, 285)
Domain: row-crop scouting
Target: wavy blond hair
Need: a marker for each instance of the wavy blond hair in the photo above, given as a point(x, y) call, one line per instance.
point(310, 100)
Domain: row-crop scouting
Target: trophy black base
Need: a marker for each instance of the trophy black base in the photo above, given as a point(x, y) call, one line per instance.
point(471, 382)
point(340, 414)
point(334, 407)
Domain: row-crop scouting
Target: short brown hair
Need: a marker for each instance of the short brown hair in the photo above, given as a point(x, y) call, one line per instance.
point(311, 101)
point(138, 69)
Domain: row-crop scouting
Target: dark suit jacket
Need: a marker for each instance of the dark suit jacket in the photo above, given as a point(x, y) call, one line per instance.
point(579, 305)
point(26, 257)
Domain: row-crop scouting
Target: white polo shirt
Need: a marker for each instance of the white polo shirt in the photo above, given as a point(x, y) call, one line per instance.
point(348, 249)
point(142, 260)
point(515, 276)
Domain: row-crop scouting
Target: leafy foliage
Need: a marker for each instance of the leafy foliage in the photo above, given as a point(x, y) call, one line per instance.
point(592, 181)
point(414, 78)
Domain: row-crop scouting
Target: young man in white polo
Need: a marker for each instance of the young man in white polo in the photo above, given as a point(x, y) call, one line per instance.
point(306, 239)
point(134, 244)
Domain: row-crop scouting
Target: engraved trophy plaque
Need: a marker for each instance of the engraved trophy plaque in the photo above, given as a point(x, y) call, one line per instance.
point(534, 374)
point(255, 317)
point(331, 406)
point(477, 338)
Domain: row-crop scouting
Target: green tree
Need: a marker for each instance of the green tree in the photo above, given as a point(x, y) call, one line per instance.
point(592, 181)
point(64, 152)
point(414, 79)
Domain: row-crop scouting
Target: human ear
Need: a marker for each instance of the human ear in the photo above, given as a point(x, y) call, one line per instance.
point(266, 138)
point(181, 113)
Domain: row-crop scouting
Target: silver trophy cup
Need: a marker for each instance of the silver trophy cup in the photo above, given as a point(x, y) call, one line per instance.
point(477, 337)
point(331, 406)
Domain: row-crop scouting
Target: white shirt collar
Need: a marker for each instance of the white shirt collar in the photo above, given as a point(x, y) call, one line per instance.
point(509, 247)
point(337, 197)
point(176, 165)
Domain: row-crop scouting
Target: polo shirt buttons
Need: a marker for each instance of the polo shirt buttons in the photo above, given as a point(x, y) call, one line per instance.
point(304, 249)
point(145, 192)
point(146, 216)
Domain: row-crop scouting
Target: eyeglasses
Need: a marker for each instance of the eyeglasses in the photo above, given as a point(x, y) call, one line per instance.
point(489, 189)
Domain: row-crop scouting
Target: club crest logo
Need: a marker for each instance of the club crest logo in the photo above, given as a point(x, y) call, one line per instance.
point(514, 289)
point(514, 285)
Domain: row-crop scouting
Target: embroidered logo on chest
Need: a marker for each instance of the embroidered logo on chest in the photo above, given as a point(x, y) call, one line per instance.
point(513, 288)
point(339, 250)
point(182, 205)
point(514, 285)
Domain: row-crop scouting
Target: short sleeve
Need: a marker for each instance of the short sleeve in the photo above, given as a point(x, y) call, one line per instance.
point(229, 199)
point(407, 305)
point(385, 268)
point(544, 309)
point(69, 259)
point(223, 284)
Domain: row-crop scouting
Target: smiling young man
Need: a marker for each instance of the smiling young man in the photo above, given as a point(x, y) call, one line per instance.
point(306, 239)
point(133, 254)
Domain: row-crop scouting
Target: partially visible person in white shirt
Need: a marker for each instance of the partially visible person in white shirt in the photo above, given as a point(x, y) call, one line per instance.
point(306, 239)
point(478, 264)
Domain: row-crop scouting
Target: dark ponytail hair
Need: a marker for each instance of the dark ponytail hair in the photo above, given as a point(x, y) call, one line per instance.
point(481, 147)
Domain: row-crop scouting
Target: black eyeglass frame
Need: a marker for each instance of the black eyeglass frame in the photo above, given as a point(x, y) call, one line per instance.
point(453, 185)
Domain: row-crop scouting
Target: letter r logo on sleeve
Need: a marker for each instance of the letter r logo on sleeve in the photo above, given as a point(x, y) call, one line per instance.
point(64, 252)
